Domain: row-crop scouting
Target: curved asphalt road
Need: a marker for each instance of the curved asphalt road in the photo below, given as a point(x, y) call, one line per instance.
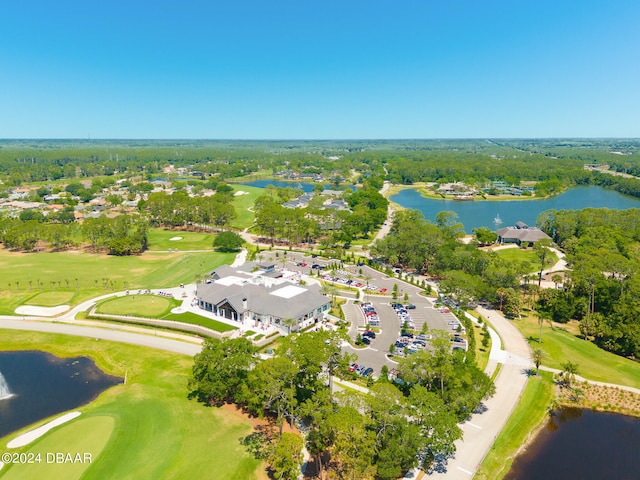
point(482, 428)
point(115, 334)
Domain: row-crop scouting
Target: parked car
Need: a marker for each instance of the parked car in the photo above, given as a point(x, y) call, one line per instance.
point(458, 339)
point(360, 369)
point(367, 372)
point(411, 306)
point(366, 340)
point(369, 333)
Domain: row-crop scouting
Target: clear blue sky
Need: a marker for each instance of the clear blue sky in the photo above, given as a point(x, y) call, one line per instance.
point(311, 69)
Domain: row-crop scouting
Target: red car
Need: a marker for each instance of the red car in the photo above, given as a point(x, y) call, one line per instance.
point(383, 290)
point(353, 366)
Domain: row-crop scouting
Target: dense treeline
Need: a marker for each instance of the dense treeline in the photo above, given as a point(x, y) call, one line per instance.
point(367, 211)
point(181, 210)
point(122, 235)
point(381, 434)
point(602, 288)
point(626, 186)
point(472, 161)
point(432, 248)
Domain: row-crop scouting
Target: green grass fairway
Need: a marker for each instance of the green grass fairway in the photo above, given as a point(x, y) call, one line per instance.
point(158, 433)
point(242, 203)
point(189, 317)
point(160, 240)
point(520, 256)
point(84, 436)
point(50, 299)
point(528, 414)
point(83, 275)
point(560, 346)
point(150, 306)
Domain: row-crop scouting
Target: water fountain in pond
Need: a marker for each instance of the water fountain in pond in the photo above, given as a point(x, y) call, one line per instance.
point(4, 388)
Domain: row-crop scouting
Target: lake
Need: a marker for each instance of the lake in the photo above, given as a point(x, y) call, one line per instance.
point(42, 385)
point(481, 213)
point(582, 444)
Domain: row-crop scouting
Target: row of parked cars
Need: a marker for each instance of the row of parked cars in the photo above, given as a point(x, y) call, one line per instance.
point(370, 314)
point(403, 314)
point(349, 283)
point(408, 343)
point(360, 369)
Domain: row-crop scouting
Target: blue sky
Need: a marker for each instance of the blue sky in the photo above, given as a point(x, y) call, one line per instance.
point(310, 69)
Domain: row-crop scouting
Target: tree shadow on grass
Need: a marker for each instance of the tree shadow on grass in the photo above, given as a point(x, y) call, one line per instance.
point(258, 443)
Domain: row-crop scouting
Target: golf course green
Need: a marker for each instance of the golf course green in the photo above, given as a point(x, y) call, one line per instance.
point(68, 278)
point(145, 429)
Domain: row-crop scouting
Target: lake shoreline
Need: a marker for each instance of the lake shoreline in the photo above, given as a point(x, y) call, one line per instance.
point(495, 214)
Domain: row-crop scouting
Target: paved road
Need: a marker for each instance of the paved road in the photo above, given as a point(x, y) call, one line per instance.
point(104, 333)
point(481, 429)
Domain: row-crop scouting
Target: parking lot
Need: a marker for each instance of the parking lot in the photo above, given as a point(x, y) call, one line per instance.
point(378, 294)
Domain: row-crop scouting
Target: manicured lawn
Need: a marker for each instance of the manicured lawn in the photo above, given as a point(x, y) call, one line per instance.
point(160, 239)
point(520, 256)
point(242, 203)
point(189, 317)
point(50, 299)
point(528, 414)
point(80, 276)
point(86, 435)
point(151, 306)
point(560, 346)
point(157, 433)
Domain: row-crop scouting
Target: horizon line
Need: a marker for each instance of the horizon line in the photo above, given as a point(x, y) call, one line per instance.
point(363, 139)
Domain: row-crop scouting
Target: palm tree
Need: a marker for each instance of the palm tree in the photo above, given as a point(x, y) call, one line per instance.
point(540, 317)
point(538, 355)
point(289, 323)
point(556, 279)
point(569, 371)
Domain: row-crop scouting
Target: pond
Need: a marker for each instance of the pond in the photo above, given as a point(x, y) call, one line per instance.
point(483, 213)
point(36, 385)
point(582, 444)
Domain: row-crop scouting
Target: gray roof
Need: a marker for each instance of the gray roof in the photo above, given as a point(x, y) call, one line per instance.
point(529, 234)
point(261, 300)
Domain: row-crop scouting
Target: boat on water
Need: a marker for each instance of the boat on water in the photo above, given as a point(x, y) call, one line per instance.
point(497, 220)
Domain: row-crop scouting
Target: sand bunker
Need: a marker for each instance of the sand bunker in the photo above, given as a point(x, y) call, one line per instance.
point(174, 239)
point(27, 438)
point(41, 311)
point(240, 192)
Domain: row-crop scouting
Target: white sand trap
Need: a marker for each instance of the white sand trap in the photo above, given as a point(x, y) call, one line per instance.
point(178, 310)
point(175, 239)
point(41, 311)
point(27, 438)
point(240, 192)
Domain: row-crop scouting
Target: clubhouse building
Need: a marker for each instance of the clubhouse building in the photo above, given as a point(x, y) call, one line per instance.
point(520, 233)
point(260, 296)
